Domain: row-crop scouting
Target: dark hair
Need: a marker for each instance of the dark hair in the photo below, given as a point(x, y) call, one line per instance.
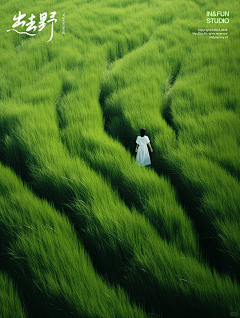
point(142, 132)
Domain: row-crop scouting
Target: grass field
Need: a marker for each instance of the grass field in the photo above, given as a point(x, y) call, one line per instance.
point(86, 232)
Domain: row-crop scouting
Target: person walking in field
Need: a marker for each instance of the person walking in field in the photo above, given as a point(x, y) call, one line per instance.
point(143, 158)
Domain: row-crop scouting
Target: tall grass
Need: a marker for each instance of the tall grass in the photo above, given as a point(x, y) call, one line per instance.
point(48, 261)
point(151, 195)
point(77, 78)
point(10, 303)
point(124, 247)
point(120, 66)
point(205, 125)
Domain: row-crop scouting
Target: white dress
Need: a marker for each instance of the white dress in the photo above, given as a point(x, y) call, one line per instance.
point(143, 158)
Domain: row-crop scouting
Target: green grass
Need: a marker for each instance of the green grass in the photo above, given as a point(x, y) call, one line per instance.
point(125, 245)
point(10, 302)
point(91, 234)
point(203, 118)
point(48, 261)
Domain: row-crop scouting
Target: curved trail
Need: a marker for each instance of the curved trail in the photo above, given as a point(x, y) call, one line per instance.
point(152, 195)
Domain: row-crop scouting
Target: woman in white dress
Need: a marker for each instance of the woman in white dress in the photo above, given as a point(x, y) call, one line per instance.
point(143, 158)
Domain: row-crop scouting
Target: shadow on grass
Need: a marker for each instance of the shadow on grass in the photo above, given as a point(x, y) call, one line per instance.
point(191, 199)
